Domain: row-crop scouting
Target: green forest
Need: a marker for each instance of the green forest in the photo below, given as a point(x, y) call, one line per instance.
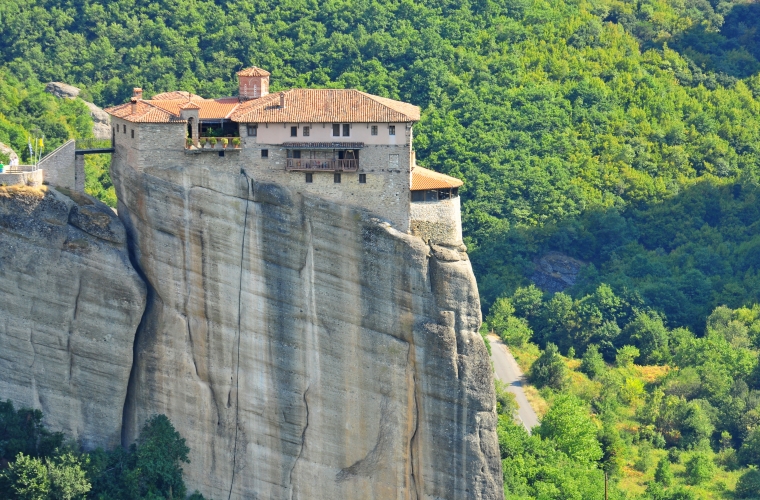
point(623, 134)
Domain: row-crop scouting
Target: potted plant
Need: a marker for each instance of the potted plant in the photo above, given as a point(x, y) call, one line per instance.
point(225, 141)
point(202, 142)
point(236, 142)
point(188, 142)
point(212, 141)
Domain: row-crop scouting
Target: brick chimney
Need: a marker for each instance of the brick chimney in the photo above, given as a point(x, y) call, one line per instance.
point(134, 105)
point(253, 83)
point(282, 100)
point(137, 93)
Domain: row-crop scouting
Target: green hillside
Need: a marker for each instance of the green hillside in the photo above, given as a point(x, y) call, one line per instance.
point(623, 134)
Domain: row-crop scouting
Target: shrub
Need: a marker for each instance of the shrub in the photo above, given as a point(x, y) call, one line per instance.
point(644, 462)
point(700, 468)
point(626, 355)
point(749, 453)
point(568, 425)
point(236, 142)
point(663, 474)
point(505, 400)
point(225, 141)
point(592, 362)
point(549, 370)
point(748, 485)
point(516, 332)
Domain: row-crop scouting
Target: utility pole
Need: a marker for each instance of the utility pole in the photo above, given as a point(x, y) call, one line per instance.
point(605, 486)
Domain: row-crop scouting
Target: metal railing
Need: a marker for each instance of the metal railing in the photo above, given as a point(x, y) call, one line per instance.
point(15, 169)
point(299, 164)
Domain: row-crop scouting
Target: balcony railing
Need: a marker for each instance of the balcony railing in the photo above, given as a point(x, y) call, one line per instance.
point(15, 169)
point(204, 144)
point(297, 164)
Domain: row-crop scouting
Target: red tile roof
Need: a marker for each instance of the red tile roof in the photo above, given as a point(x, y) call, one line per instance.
point(144, 113)
point(175, 94)
point(325, 106)
point(301, 106)
point(424, 179)
point(253, 71)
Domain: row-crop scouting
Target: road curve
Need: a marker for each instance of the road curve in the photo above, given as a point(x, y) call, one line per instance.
point(509, 372)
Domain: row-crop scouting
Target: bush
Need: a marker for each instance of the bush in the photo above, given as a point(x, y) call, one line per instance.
point(663, 474)
point(748, 485)
point(700, 468)
point(505, 400)
point(549, 370)
point(645, 460)
point(749, 453)
point(568, 425)
point(592, 362)
point(626, 355)
point(516, 332)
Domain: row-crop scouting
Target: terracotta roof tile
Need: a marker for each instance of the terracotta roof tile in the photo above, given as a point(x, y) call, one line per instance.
point(325, 106)
point(189, 105)
point(209, 109)
point(145, 113)
point(175, 94)
point(253, 71)
point(301, 106)
point(424, 179)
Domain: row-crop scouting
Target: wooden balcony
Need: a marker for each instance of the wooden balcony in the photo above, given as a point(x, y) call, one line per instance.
point(306, 165)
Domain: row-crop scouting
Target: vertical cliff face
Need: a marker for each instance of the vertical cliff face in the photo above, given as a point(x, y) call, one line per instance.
point(70, 303)
point(304, 349)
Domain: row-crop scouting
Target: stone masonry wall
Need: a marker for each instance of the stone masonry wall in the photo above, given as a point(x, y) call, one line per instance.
point(60, 169)
point(439, 222)
point(386, 193)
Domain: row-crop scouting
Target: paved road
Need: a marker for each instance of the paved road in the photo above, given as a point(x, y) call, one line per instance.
point(509, 372)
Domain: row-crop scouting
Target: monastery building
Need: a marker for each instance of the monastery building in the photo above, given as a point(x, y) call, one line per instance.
point(340, 144)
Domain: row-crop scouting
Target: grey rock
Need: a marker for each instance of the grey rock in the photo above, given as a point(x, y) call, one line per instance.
point(70, 302)
point(101, 127)
point(555, 272)
point(305, 349)
point(62, 90)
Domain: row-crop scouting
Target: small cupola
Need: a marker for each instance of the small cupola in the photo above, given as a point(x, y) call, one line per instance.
point(253, 83)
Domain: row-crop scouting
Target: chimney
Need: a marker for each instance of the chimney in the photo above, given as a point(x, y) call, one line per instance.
point(134, 105)
point(282, 100)
point(137, 93)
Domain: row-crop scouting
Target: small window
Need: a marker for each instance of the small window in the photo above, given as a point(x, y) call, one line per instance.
point(293, 131)
point(133, 133)
point(221, 153)
point(374, 130)
point(336, 178)
point(362, 178)
point(125, 129)
point(309, 178)
point(418, 195)
point(265, 153)
point(306, 131)
point(336, 129)
point(346, 130)
point(391, 130)
point(252, 130)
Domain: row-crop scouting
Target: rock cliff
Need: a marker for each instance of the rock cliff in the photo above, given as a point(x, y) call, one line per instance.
point(70, 303)
point(305, 350)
